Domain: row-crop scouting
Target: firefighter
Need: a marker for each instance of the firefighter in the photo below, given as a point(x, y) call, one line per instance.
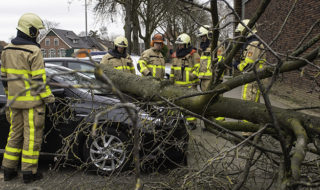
point(251, 56)
point(250, 53)
point(151, 62)
point(22, 59)
point(185, 67)
point(118, 58)
point(205, 72)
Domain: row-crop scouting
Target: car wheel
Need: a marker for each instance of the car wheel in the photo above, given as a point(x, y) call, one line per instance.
point(108, 153)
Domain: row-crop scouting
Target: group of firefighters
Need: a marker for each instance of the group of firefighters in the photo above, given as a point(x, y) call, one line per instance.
point(23, 59)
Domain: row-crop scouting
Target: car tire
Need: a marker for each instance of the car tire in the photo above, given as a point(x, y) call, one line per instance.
point(108, 153)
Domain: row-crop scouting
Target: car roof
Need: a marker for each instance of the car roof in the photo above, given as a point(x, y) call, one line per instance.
point(50, 65)
point(66, 59)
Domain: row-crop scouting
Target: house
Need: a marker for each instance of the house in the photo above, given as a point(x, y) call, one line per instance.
point(304, 19)
point(64, 43)
point(97, 44)
point(61, 43)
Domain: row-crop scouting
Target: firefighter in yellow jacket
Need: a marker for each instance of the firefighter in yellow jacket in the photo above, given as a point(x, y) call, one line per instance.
point(185, 67)
point(118, 58)
point(205, 71)
point(151, 62)
point(251, 51)
point(23, 59)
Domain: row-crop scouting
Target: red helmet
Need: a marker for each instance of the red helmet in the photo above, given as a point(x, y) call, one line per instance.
point(157, 38)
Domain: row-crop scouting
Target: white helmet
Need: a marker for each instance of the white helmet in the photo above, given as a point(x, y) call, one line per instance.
point(183, 39)
point(121, 41)
point(204, 30)
point(30, 24)
point(240, 27)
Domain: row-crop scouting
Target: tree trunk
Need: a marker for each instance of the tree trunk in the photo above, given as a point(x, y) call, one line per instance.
point(136, 25)
point(226, 107)
point(127, 26)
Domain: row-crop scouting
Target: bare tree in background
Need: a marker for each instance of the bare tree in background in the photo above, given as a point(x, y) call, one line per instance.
point(48, 26)
point(111, 8)
point(104, 33)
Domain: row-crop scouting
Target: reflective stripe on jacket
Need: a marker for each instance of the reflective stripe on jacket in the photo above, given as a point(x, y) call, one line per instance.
point(24, 62)
point(205, 71)
point(152, 62)
point(122, 64)
point(185, 70)
point(250, 54)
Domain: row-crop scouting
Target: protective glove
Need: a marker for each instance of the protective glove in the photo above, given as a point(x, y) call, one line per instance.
point(49, 99)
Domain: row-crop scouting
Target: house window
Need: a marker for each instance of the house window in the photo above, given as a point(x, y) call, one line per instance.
point(62, 52)
point(52, 52)
point(75, 41)
point(47, 42)
point(56, 42)
point(44, 53)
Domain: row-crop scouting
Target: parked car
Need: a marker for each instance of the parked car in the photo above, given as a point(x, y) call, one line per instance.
point(72, 63)
point(70, 119)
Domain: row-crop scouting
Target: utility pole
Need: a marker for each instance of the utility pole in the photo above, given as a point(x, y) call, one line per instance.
point(86, 19)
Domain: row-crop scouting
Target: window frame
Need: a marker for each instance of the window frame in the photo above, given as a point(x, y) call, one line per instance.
point(47, 42)
point(56, 41)
point(52, 52)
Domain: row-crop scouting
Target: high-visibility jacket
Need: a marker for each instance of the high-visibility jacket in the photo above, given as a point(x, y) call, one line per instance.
point(185, 70)
point(205, 71)
point(152, 62)
point(251, 52)
point(123, 63)
point(25, 62)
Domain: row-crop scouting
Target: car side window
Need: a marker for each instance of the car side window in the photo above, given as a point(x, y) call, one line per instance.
point(80, 66)
point(56, 63)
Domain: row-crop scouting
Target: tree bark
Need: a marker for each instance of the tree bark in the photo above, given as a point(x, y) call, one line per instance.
point(135, 29)
point(127, 26)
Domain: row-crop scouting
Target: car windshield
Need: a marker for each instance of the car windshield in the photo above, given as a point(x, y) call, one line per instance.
point(77, 79)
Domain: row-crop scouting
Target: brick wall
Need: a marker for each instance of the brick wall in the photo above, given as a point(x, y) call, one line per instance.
point(304, 15)
point(52, 45)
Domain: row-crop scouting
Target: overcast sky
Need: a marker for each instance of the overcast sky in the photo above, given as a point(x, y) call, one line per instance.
point(69, 16)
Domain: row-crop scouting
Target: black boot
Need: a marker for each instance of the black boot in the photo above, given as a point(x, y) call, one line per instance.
point(9, 174)
point(28, 177)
